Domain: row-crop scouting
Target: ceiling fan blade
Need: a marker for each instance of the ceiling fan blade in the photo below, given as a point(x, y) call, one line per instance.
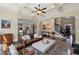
point(37, 13)
point(43, 11)
point(43, 8)
point(36, 8)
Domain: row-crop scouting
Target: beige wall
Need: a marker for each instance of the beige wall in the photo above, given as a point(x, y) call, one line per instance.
point(14, 25)
point(13, 29)
point(70, 20)
point(77, 28)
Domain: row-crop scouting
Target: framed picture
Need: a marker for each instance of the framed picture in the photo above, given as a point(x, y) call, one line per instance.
point(5, 24)
point(44, 27)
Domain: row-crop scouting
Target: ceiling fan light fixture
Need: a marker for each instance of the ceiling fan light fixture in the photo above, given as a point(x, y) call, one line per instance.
point(39, 12)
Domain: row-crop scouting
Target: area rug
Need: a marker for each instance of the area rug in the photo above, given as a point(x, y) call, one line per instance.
point(60, 48)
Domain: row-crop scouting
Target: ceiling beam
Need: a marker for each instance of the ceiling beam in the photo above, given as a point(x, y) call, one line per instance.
point(58, 7)
point(21, 8)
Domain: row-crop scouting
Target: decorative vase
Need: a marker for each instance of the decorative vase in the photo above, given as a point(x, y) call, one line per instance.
point(45, 41)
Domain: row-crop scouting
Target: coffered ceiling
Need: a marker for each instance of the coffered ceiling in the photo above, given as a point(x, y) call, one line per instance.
point(24, 10)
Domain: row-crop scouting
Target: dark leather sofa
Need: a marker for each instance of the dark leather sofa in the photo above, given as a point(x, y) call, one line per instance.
point(75, 48)
point(19, 47)
point(29, 42)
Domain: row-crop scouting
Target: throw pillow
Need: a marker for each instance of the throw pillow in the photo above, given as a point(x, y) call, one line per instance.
point(24, 38)
point(40, 36)
point(27, 37)
point(36, 35)
point(13, 50)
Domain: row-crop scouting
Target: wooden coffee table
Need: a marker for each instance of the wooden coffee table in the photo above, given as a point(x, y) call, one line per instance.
point(42, 47)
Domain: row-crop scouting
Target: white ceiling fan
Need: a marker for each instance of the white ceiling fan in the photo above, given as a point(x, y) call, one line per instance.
point(39, 10)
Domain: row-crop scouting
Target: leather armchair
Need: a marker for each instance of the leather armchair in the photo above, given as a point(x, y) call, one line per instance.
point(1, 39)
point(29, 42)
point(22, 51)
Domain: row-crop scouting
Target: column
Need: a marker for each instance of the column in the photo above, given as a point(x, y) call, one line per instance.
point(38, 27)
